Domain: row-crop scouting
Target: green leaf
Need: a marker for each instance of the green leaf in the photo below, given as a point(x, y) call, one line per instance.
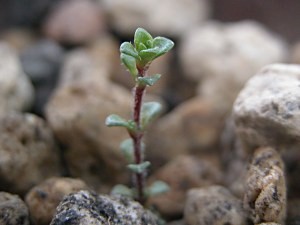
point(114, 120)
point(150, 80)
point(121, 189)
point(139, 168)
point(157, 188)
point(142, 36)
point(128, 49)
point(126, 147)
point(163, 44)
point(150, 110)
point(148, 55)
point(130, 63)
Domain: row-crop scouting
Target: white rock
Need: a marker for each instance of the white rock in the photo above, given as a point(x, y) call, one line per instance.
point(16, 91)
point(161, 16)
point(267, 111)
point(225, 56)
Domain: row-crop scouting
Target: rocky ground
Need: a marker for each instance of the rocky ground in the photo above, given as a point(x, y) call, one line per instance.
point(227, 142)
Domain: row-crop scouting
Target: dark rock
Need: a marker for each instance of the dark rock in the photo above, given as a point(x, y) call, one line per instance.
point(89, 208)
point(13, 210)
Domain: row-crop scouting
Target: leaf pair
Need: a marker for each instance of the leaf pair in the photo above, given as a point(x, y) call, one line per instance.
point(145, 50)
point(150, 111)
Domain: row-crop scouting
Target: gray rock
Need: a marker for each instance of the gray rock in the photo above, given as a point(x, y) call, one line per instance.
point(16, 91)
point(267, 111)
point(28, 152)
point(43, 199)
point(88, 208)
point(265, 188)
point(191, 172)
point(163, 17)
point(193, 127)
point(42, 62)
point(213, 205)
point(74, 22)
point(224, 56)
point(13, 210)
point(77, 113)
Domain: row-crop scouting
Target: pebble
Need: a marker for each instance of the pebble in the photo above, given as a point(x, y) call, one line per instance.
point(43, 199)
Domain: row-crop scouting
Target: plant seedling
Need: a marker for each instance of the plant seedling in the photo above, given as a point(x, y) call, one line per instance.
point(137, 58)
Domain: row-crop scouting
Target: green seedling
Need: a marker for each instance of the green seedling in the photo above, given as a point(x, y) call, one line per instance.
point(137, 58)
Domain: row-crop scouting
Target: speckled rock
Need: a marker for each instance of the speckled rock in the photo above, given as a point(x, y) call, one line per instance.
point(88, 208)
point(191, 172)
point(13, 210)
point(74, 21)
point(16, 91)
point(28, 152)
point(267, 111)
point(164, 17)
point(224, 56)
point(265, 188)
point(77, 113)
point(193, 127)
point(213, 205)
point(43, 199)
point(42, 62)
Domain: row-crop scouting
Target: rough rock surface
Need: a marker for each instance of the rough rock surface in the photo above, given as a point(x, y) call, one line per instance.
point(193, 127)
point(43, 199)
point(224, 56)
point(267, 110)
point(42, 62)
point(265, 189)
point(213, 205)
point(28, 152)
point(13, 210)
point(77, 113)
point(74, 22)
point(16, 92)
point(191, 172)
point(88, 208)
point(164, 17)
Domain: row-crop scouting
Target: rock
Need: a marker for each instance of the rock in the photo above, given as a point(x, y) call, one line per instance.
point(74, 22)
point(28, 152)
point(265, 189)
point(77, 113)
point(43, 199)
point(295, 53)
point(213, 205)
point(163, 17)
point(13, 210)
point(190, 173)
point(42, 62)
point(88, 208)
point(267, 111)
point(18, 38)
point(222, 57)
point(193, 127)
point(177, 222)
point(16, 92)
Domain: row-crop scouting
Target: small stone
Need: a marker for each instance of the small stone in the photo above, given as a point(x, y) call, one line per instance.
point(170, 17)
point(193, 127)
point(43, 199)
point(190, 173)
point(267, 112)
point(28, 152)
point(13, 210)
point(265, 189)
point(77, 113)
point(42, 62)
point(213, 205)
point(88, 208)
point(16, 91)
point(222, 57)
point(74, 21)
